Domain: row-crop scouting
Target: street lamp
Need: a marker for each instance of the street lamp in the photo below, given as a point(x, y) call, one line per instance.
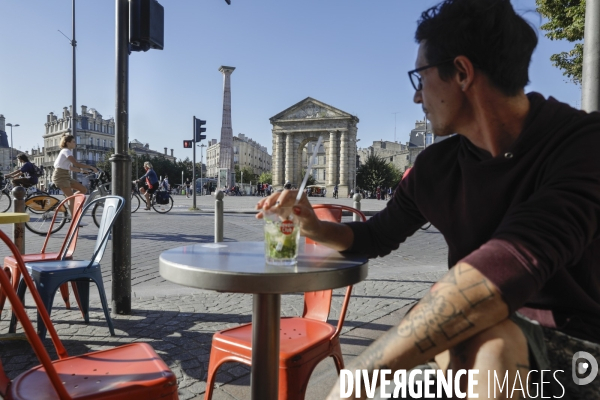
point(11, 142)
point(355, 166)
point(201, 184)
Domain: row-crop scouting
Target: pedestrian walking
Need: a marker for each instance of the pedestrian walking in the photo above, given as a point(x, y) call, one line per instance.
point(187, 188)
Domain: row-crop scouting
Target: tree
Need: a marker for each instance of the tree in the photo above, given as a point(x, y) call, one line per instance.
point(311, 179)
point(266, 177)
point(376, 171)
point(566, 20)
point(249, 174)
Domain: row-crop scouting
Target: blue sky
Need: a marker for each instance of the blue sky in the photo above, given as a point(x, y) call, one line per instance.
point(351, 54)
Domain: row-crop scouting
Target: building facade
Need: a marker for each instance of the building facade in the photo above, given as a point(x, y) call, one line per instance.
point(397, 154)
point(141, 149)
point(246, 153)
point(7, 163)
point(401, 155)
point(303, 123)
point(95, 137)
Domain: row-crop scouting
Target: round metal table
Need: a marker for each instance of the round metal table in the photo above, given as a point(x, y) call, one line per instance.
point(240, 267)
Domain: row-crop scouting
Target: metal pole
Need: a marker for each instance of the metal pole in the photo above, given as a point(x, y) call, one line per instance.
point(18, 194)
point(194, 168)
point(121, 169)
point(201, 185)
point(182, 179)
point(11, 150)
point(219, 216)
point(74, 45)
point(264, 378)
point(395, 124)
point(357, 199)
point(590, 88)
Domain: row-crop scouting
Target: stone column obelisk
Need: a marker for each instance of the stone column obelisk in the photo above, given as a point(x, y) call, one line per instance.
point(226, 151)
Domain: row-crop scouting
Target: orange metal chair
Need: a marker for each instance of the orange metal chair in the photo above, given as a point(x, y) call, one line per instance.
point(304, 341)
point(132, 371)
point(10, 263)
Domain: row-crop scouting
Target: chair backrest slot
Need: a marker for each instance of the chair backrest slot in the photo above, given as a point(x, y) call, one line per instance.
point(78, 200)
point(112, 207)
point(318, 304)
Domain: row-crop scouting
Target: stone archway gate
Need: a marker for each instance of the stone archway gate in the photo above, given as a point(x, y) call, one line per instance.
point(304, 122)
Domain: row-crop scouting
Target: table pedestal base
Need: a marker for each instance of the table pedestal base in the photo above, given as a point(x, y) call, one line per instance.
point(264, 378)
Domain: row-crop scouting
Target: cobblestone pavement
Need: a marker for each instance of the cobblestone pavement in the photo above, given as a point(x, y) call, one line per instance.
point(179, 322)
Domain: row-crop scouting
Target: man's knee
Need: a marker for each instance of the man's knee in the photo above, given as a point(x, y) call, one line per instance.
point(497, 345)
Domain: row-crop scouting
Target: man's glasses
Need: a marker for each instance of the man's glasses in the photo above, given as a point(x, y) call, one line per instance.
point(415, 78)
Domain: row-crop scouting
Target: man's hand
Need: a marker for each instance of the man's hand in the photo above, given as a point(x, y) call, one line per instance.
point(331, 234)
point(309, 223)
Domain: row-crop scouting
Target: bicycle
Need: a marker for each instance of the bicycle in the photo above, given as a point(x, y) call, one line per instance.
point(165, 198)
point(101, 186)
point(41, 209)
point(6, 195)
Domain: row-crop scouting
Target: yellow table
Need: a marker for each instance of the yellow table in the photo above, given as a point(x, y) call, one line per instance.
point(13, 218)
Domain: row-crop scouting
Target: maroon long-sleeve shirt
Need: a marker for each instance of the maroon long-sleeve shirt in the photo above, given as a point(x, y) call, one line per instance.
point(527, 219)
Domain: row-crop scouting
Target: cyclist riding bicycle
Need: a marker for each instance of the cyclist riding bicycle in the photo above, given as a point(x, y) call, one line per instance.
point(27, 175)
point(148, 183)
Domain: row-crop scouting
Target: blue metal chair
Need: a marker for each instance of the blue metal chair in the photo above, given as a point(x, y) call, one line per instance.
point(48, 276)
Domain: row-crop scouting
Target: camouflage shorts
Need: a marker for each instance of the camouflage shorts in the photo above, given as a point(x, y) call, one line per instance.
point(553, 350)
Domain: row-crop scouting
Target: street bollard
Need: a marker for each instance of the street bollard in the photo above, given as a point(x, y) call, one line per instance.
point(18, 194)
point(219, 216)
point(357, 198)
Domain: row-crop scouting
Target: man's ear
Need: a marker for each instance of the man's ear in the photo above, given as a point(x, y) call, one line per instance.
point(465, 72)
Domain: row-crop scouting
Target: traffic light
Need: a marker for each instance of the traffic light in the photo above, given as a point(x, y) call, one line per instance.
point(188, 144)
point(200, 129)
point(146, 25)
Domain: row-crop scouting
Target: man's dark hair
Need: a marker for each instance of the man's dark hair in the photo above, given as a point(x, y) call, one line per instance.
point(488, 32)
point(23, 157)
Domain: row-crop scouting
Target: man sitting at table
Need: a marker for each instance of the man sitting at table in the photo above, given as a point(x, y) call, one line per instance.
point(516, 194)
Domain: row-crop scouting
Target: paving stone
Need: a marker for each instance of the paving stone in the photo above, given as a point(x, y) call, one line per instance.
point(179, 321)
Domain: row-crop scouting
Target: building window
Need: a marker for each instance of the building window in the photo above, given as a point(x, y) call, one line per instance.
point(77, 140)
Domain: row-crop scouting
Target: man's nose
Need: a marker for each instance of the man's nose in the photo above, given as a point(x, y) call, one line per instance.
point(417, 97)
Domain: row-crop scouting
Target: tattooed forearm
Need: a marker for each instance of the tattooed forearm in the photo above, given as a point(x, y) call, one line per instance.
point(457, 307)
point(447, 311)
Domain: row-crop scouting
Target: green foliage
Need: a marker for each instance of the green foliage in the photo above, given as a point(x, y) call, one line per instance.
point(266, 177)
point(311, 179)
point(249, 174)
point(566, 20)
point(376, 171)
point(161, 165)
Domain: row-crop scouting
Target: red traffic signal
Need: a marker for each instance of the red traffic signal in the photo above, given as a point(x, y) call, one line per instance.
point(188, 144)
